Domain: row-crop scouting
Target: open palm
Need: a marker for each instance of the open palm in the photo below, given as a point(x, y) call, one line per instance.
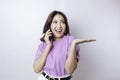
point(79, 41)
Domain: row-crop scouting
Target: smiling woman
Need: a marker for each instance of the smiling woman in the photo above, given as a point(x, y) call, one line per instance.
point(58, 54)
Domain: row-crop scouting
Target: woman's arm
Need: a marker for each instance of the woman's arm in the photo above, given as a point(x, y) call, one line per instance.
point(40, 61)
point(71, 62)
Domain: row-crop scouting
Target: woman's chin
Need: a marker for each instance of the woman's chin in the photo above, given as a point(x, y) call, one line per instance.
point(59, 36)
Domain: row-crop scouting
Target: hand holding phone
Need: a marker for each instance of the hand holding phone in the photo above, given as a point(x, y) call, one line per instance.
point(48, 36)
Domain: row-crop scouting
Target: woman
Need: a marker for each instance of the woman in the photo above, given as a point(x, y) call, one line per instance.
point(58, 54)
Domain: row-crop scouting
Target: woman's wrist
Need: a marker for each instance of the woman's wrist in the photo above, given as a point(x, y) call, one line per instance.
point(73, 44)
point(49, 45)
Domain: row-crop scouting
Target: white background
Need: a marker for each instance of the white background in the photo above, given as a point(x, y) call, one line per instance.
point(21, 25)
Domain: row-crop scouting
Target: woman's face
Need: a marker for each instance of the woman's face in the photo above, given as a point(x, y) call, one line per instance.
point(58, 26)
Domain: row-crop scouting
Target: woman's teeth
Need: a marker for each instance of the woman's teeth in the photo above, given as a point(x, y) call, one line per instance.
point(58, 30)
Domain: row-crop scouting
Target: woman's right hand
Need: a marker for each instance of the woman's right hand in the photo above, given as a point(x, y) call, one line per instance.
point(46, 38)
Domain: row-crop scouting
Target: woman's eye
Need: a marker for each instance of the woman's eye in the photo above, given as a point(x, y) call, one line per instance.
point(63, 21)
point(54, 21)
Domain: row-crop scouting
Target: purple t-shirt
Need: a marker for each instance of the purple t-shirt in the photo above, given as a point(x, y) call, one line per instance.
point(57, 56)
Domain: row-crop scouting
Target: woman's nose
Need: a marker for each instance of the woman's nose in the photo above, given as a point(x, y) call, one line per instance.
point(59, 25)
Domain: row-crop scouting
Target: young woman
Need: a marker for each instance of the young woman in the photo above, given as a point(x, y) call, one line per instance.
point(58, 54)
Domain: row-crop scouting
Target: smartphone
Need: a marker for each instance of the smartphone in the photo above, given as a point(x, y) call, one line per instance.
point(51, 38)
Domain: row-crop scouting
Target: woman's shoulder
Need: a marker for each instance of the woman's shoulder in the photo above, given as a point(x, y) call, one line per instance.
point(41, 44)
point(69, 38)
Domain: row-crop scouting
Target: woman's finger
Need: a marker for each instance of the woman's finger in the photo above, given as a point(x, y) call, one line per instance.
point(48, 32)
point(78, 41)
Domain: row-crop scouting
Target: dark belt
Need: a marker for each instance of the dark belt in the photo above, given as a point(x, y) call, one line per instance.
point(52, 78)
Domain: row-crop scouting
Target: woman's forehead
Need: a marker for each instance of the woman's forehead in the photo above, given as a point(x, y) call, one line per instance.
point(58, 17)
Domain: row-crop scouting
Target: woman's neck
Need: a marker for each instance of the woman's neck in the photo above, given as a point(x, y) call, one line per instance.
point(58, 38)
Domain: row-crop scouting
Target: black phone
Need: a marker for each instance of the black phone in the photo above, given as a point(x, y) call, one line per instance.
point(51, 38)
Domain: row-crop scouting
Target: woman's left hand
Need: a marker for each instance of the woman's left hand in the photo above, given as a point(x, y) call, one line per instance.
point(79, 41)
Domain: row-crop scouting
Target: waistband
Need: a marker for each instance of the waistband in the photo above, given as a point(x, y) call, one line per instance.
point(56, 78)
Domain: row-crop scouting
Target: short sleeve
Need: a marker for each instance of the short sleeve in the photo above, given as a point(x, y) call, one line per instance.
point(39, 50)
point(71, 38)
